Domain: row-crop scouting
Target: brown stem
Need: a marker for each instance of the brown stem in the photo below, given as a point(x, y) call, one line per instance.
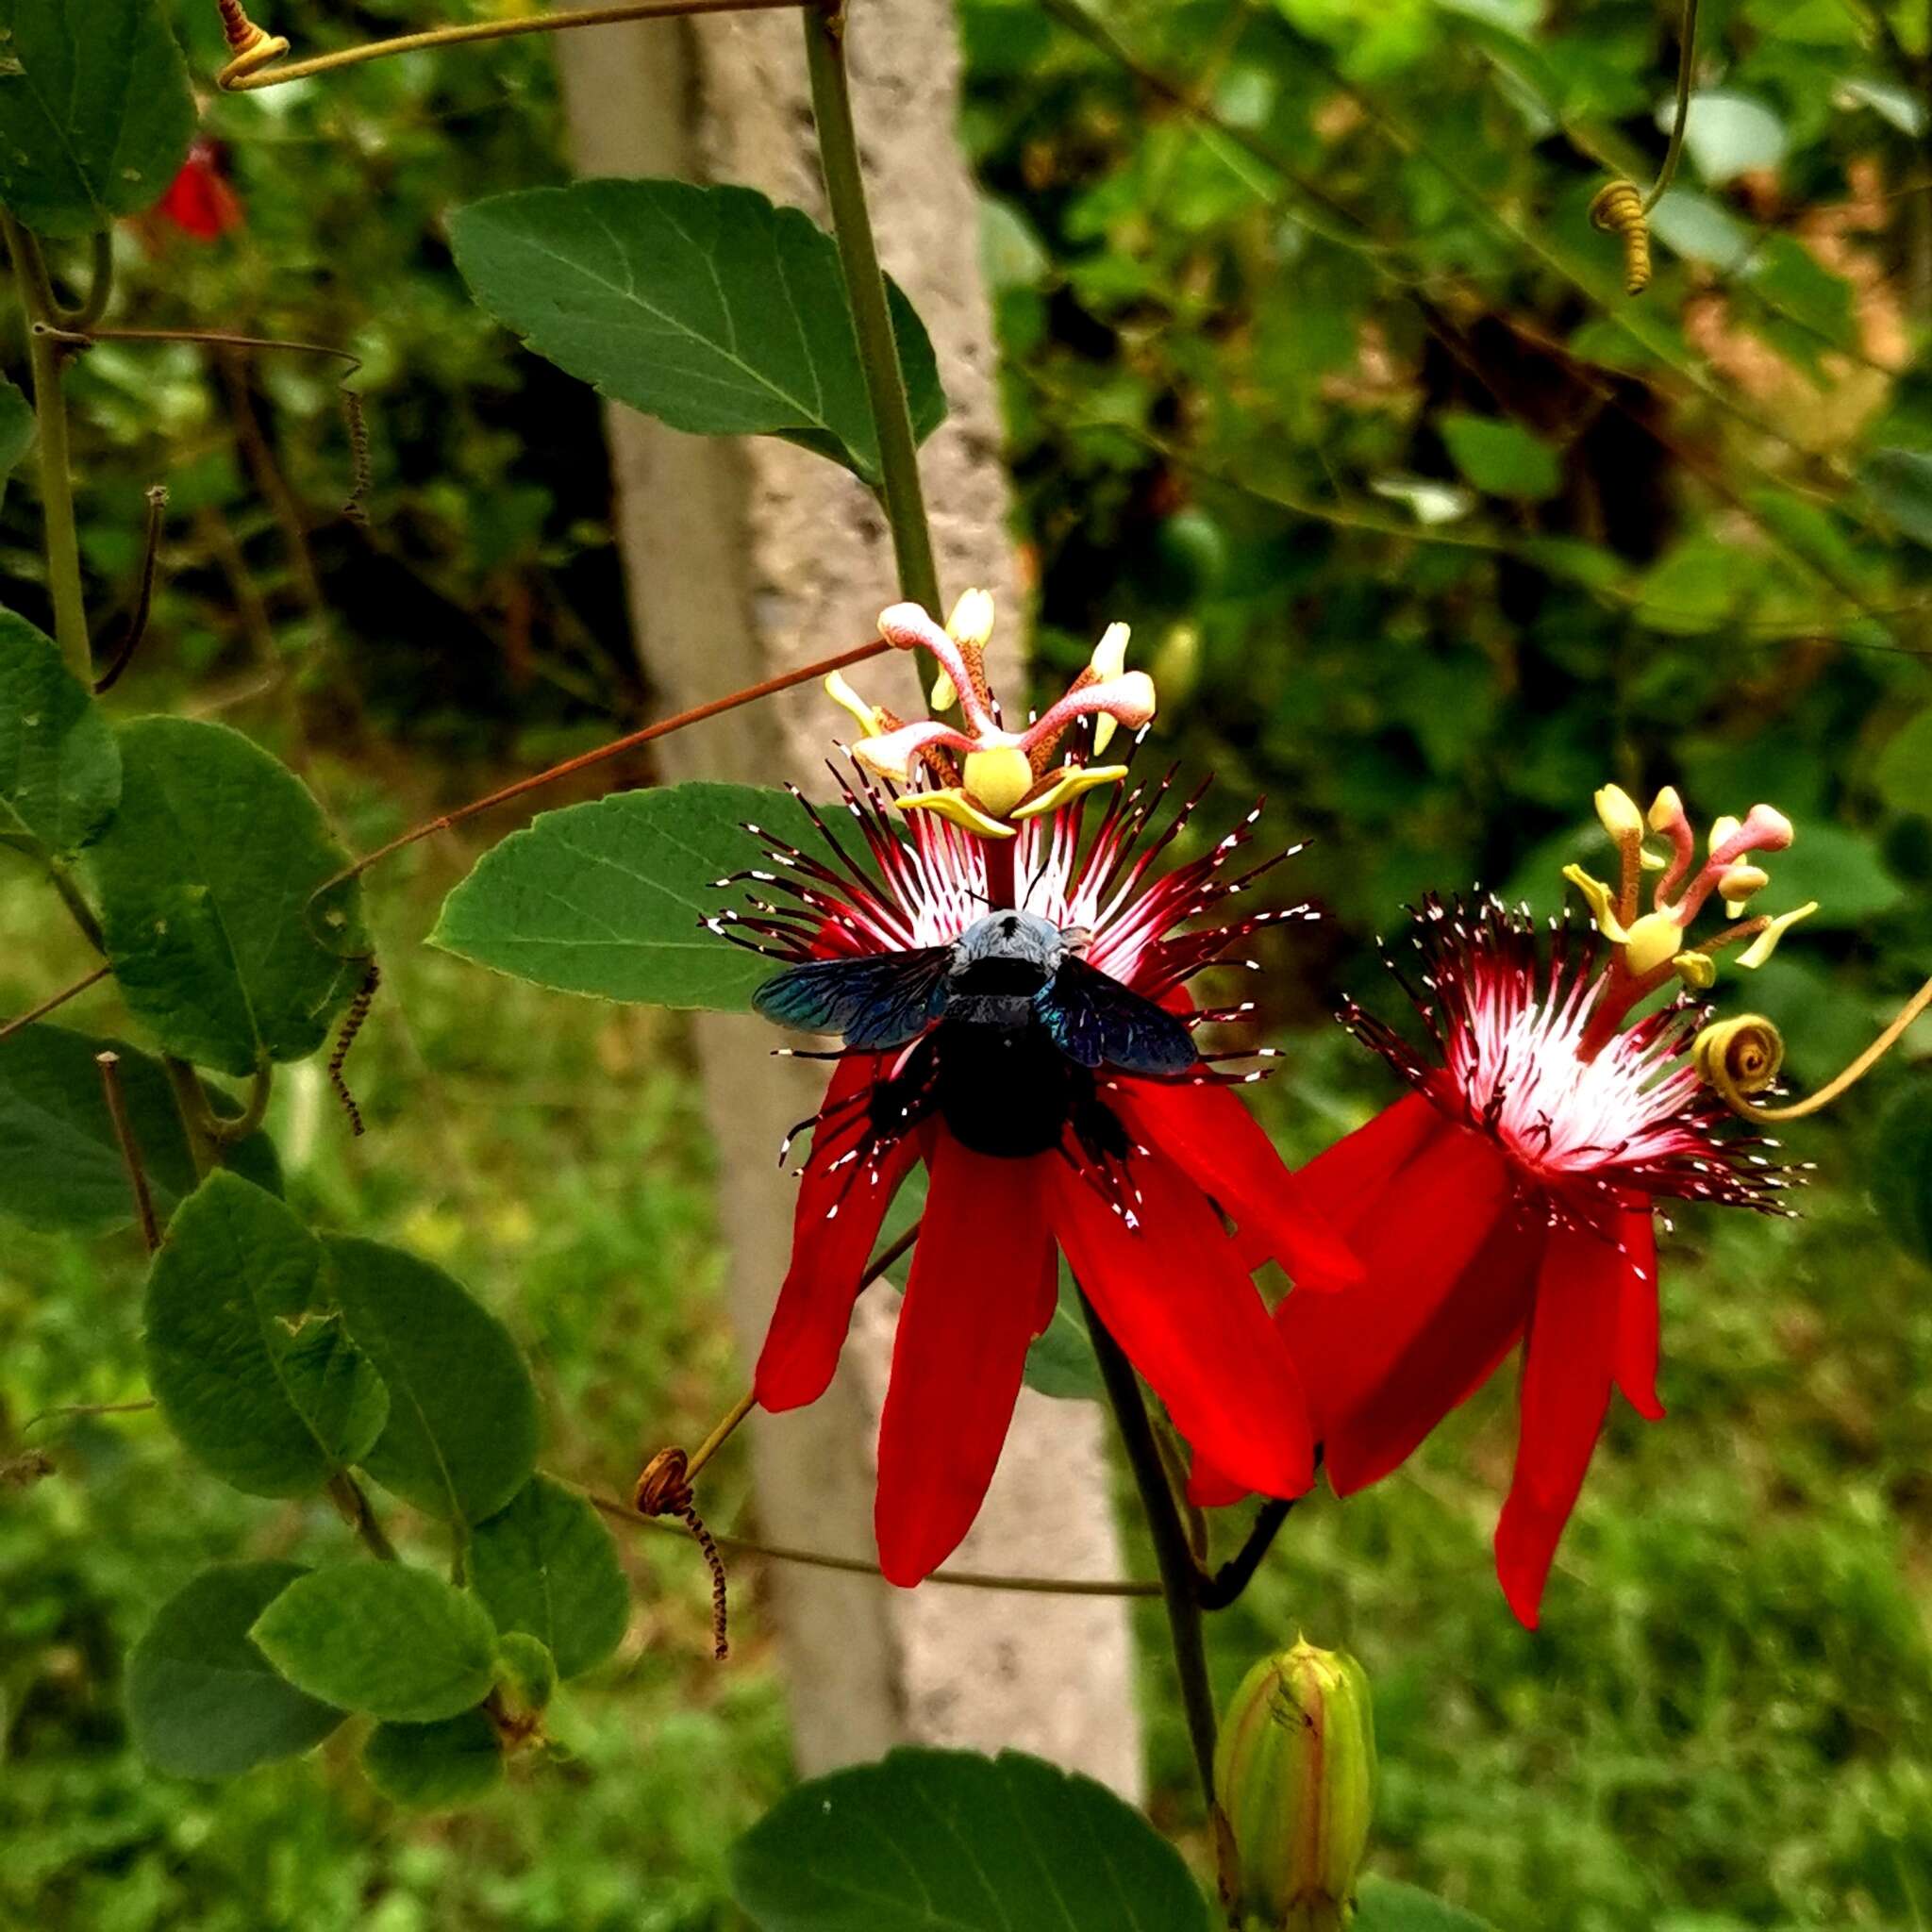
point(346, 1493)
point(54, 1000)
point(109, 1064)
point(663, 728)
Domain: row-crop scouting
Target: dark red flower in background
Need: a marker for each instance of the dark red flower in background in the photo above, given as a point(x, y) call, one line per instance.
point(1509, 1199)
point(1011, 996)
point(199, 200)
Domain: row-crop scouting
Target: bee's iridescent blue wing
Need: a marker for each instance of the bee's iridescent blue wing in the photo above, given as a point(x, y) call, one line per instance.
point(873, 1003)
point(1096, 1021)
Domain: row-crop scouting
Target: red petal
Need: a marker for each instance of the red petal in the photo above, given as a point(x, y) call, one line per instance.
point(1348, 1176)
point(1222, 1148)
point(1636, 1317)
point(1208, 1489)
point(1175, 1295)
point(1566, 1393)
point(972, 1305)
point(1380, 1377)
point(833, 1229)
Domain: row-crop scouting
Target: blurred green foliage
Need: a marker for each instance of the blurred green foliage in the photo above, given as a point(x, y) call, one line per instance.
point(1317, 374)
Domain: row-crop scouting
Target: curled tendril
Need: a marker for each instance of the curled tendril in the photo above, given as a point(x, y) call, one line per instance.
point(1739, 1057)
point(250, 48)
point(1618, 209)
point(664, 1490)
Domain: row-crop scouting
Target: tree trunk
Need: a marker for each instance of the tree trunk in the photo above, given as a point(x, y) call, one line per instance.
point(742, 560)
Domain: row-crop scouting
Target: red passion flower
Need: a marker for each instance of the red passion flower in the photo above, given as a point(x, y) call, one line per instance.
point(1509, 1199)
point(199, 200)
point(1009, 989)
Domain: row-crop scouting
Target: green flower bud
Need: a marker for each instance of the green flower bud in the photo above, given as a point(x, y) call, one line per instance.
point(1294, 1775)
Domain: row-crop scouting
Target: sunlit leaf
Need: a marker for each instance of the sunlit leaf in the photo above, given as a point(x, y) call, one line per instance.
point(381, 1638)
point(545, 1566)
point(1500, 457)
point(1385, 1906)
point(253, 1370)
point(609, 898)
point(711, 309)
point(1728, 134)
point(462, 1436)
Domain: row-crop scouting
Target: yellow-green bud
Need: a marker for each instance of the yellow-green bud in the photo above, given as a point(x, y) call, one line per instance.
point(1294, 1775)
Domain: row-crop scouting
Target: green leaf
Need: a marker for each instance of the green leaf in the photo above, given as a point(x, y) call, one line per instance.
point(951, 1841)
point(435, 1767)
point(202, 1700)
point(382, 1638)
point(546, 1566)
point(1899, 481)
point(1901, 1170)
point(1500, 457)
point(1796, 284)
point(462, 1436)
point(252, 1369)
point(526, 1672)
point(1728, 134)
point(1061, 1361)
point(95, 112)
point(60, 766)
point(1385, 1906)
point(1841, 869)
point(208, 876)
point(16, 429)
point(1697, 228)
point(60, 1165)
point(609, 898)
point(711, 309)
point(1902, 773)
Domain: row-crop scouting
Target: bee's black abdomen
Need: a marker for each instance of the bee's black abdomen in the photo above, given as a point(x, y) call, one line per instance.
point(1004, 1090)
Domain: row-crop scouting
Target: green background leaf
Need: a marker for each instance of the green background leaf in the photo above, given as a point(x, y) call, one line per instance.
point(461, 1435)
point(710, 308)
point(206, 877)
point(16, 429)
point(1061, 1362)
point(61, 1166)
point(607, 898)
point(951, 1841)
point(1901, 1170)
point(1500, 459)
point(1386, 1906)
point(60, 766)
point(432, 1766)
point(95, 113)
point(252, 1370)
point(546, 1566)
point(202, 1700)
point(382, 1638)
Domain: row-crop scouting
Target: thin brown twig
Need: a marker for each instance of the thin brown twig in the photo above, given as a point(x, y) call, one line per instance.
point(697, 714)
point(110, 1063)
point(144, 595)
point(54, 1000)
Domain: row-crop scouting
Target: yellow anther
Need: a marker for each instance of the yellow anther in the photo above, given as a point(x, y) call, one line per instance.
point(1656, 937)
point(954, 804)
point(1698, 971)
point(1653, 861)
point(1110, 654)
point(1738, 885)
point(1722, 830)
point(1666, 809)
point(943, 696)
point(1603, 904)
point(998, 779)
point(1765, 945)
point(1073, 780)
point(1618, 812)
point(864, 715)
point(971, 619)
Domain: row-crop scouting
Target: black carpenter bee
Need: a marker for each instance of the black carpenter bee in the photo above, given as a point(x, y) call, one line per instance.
point(1011, 1025)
